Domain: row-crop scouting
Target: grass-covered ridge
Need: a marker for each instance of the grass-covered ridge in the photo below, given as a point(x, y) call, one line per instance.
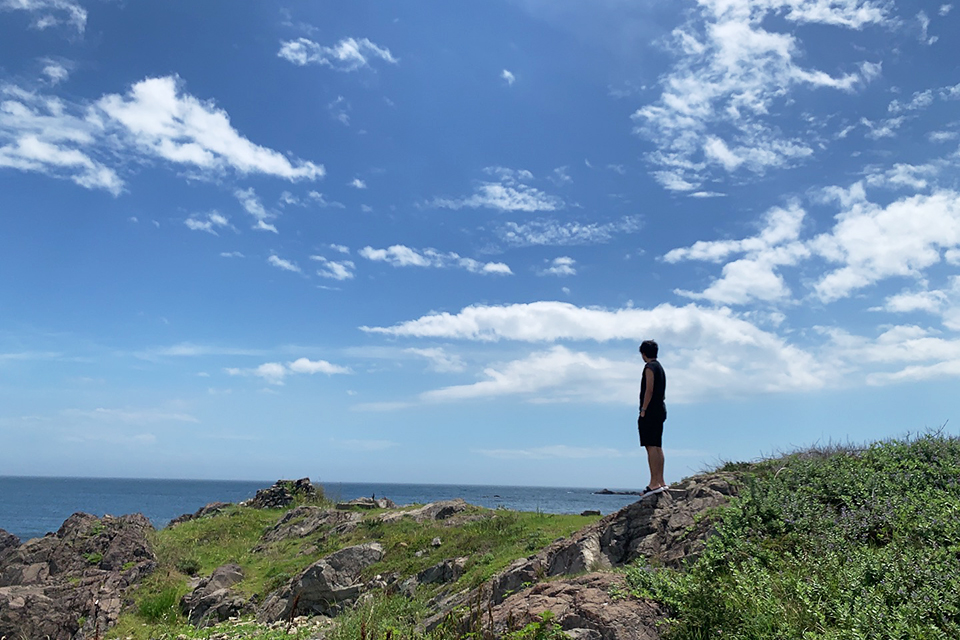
point(491, 539)
point(837, 543)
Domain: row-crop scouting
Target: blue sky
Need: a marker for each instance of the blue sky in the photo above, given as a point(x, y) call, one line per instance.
point(421, 241)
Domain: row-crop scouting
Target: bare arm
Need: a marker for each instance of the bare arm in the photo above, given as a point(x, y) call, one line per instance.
point(648, 391)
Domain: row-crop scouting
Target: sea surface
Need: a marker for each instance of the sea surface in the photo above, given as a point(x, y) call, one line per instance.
point(32, 507)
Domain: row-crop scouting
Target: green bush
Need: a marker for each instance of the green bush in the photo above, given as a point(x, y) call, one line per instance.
point(857, 543)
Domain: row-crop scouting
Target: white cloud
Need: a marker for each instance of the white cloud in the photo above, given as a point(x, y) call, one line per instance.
point(755, 276)
point(49, 13)
point(318, 197)
point(276, 372)
point(347, 55)
point(731, 72)
point(562, 266)
point(161, 120)
point(551, 232)
point(155, 119)
point(403, 256)
point(357, 183)
point(907, 301)
point(231, 254)
point(280, 263)
point(339, 248)
point(509, 77)
point(208, 222)
point(342, 270)
point(510, 193)
point(873, 242)
point(252, 205)
point(945, 9)
point(55, 72)
point(304, 365)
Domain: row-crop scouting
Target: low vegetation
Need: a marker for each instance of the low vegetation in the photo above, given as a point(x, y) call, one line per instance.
point(837, 543)
point(490, 539)
point(828, 543)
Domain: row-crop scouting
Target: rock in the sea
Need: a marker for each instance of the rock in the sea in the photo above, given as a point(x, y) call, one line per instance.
point(80, 573)
point(282, 494)
point(213, 601)
point(324, 587)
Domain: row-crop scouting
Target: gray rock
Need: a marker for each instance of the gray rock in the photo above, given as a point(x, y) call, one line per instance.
point(444, 572)
point(368, 503)
point(81, 572)
point(434, 511)
point(282, 494)
point(212, 600)
point(306, 520)
point(210, 509)
point(325, 587)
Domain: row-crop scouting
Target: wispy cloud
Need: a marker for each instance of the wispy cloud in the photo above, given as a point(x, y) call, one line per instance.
point(562, 266)
point(280, 263)
point(715, 108)
point(276, 372)
point(208, 222)
point(357, 183)
point(50, 13)
point(508, 77)
point(252, 205)
point(130, 416)
point(552, 232)
point(349, 54)
point(509, 193)
point(333, 269)
point(402, 256)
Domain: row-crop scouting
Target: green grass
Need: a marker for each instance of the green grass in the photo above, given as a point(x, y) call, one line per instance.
point(838, 543)
point(197, 547)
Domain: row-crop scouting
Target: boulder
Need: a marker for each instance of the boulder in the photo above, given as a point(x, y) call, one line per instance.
point(8, 543)
point(325, 587)
point(282, 494)
point(444, 572)
point(434, 511)
point(583, 607)
point(305, 520)
point(210, 509)
point(661, 528)
point(49, 584)
point(213, 601)
point(368, 503)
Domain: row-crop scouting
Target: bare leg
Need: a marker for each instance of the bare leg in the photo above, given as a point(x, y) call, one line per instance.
point(655, 460)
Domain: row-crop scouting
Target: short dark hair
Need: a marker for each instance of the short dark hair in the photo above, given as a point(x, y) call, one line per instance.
point(649, 348)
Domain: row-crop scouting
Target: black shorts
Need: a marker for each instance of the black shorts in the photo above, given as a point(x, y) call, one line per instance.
point(651, 430)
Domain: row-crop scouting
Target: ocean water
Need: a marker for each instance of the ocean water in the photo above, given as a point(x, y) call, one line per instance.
point(31, 507)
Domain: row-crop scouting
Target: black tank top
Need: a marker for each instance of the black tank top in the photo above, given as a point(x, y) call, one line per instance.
point(659, 387)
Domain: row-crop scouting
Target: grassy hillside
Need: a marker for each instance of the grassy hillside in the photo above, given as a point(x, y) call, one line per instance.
point(837, 543)
point(491, 541)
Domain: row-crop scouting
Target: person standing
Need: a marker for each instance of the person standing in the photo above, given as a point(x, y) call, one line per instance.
point(653, 413)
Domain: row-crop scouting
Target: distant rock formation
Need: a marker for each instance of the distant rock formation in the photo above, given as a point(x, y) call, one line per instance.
point(282, 494)
point(210, 509)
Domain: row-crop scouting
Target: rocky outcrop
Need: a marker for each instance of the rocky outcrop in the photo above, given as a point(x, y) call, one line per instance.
point(595, 606)
point(434, 511)
point(213, 601)
point(282, 494)
point(444, 572)
point(49, 585)
point(323, 588)
point(211, 509)
point(8, 543)
point(661, 528)
point(368, 503)
point(306, 520)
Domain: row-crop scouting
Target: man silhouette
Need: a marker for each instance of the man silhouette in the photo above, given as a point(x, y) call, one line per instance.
point(653, 413)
